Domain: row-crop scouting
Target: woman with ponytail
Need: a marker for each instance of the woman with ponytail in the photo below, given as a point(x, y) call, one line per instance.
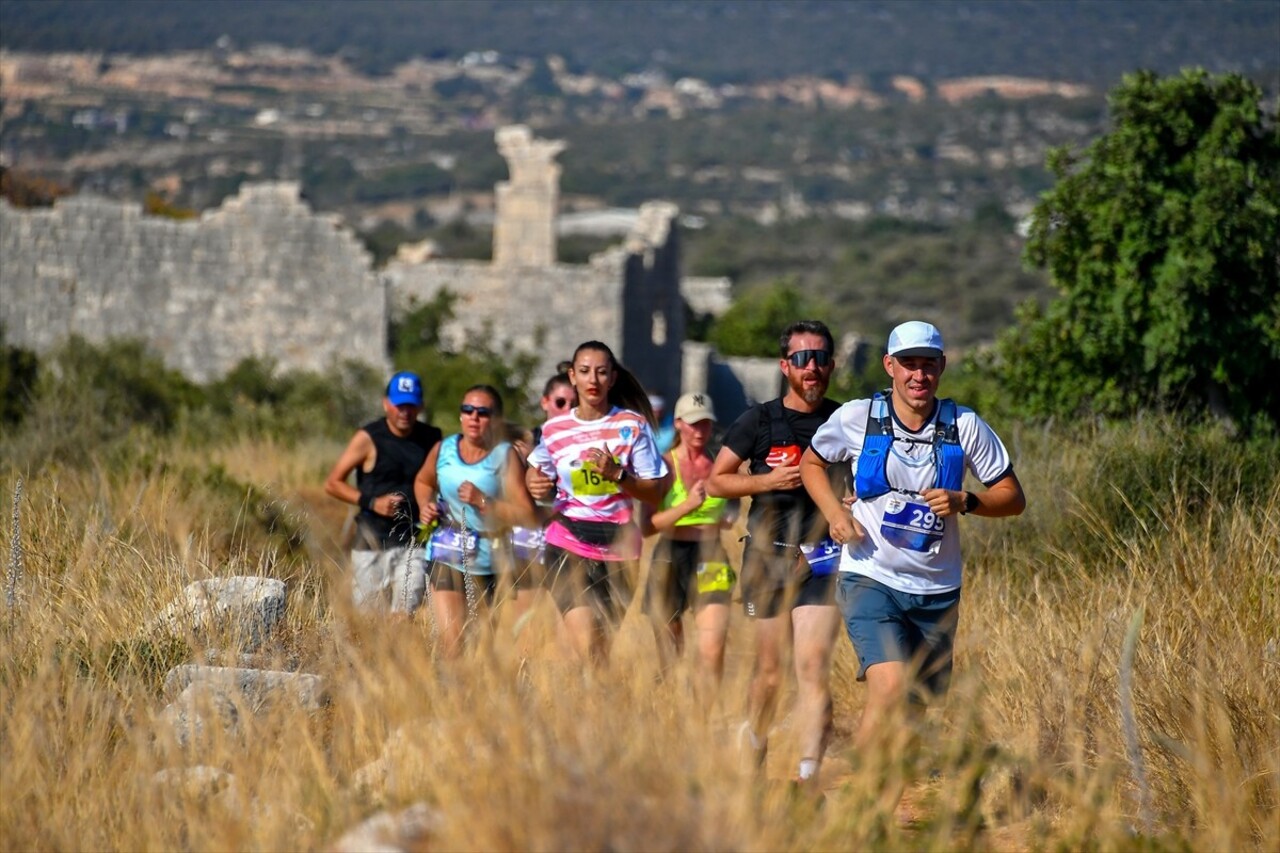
point(596, 459)
point(470, 489)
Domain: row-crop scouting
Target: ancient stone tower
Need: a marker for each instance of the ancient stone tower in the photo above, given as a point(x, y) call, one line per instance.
point(524, 232)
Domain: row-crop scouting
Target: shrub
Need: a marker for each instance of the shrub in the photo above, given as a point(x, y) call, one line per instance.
point(19, 369)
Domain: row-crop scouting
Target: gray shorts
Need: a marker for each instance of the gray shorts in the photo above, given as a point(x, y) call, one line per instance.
point(392, 579)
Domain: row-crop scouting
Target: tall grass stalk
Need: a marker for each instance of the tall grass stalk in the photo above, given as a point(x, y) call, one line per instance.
point(13, 577)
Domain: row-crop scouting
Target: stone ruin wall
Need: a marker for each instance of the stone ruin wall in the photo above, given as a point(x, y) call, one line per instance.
point(629, 297)
point(543, 310)
point(653, 311)
point(262, 276)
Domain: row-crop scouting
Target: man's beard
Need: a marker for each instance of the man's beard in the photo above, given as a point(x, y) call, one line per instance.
point(811, 395)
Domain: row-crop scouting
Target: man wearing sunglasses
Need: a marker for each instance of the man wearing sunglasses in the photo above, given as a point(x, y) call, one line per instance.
point(386, 454)
point(786, 597)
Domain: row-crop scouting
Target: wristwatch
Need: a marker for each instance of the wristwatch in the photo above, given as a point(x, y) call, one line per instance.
point(622, 475)
point(970, 503)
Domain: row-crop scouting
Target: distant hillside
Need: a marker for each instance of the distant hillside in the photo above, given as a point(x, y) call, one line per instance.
point(1091, 42)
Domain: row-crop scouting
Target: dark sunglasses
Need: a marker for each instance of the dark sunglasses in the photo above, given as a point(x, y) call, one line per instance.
point(560, 402)
point(478, 411)
point(799, 358)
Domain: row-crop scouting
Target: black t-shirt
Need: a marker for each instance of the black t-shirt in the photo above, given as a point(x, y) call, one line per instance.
point(765, 436)
point(395, 466)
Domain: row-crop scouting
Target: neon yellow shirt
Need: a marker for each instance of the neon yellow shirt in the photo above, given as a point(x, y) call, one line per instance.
point(710, 511)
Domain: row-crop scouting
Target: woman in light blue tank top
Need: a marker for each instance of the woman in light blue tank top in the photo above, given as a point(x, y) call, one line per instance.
point(470, 489)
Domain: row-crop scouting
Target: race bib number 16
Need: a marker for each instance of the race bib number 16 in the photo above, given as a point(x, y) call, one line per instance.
point(587, 481)
point(912, 526)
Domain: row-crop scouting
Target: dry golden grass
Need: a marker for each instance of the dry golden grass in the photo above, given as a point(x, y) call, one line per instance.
point(1029, 753)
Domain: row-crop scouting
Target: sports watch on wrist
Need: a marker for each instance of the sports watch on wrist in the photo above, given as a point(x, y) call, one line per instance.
point(970, 503)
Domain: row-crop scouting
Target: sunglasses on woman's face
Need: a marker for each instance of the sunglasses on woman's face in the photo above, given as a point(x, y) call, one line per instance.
point(478, 411)
point(560, 402)
point(799, 358)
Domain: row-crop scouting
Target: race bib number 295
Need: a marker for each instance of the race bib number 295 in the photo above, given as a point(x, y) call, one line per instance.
point(912, 526)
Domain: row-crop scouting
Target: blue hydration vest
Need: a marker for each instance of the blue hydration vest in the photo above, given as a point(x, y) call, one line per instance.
point(871, 479)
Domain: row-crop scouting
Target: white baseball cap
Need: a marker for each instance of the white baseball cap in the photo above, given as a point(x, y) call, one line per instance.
point(916, 338)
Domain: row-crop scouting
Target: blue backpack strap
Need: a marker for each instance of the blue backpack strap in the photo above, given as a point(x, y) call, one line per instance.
point(870, 479)
point(948, 455)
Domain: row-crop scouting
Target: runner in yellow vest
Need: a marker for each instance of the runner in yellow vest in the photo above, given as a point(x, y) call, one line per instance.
point(689, 569)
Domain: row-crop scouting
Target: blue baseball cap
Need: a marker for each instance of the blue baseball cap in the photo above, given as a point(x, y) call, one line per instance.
point(405, 388)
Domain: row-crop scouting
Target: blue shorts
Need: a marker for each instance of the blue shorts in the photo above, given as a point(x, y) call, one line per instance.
point(887, 625)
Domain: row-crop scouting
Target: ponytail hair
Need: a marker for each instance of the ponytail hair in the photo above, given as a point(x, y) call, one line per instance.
point(626, 391)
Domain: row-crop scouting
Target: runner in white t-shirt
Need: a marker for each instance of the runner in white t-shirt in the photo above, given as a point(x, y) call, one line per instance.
point(899, 587)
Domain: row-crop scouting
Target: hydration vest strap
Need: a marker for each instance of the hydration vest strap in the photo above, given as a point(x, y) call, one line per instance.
point(870, 479)
point(779, 430)
point(879, 418)
point(948, 455)
point(871, 476)
point(780, 436)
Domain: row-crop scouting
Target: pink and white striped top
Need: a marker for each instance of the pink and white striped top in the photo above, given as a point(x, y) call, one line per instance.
point(583, 495)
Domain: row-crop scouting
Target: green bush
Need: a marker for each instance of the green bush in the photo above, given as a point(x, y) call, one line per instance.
point(752, 324)
point(417, 345)
point(91, 401)
point(90, 397)
point(1100, 492)
point(19, 371)
point(255, 396)
point(1161, 238)
point(116, 385)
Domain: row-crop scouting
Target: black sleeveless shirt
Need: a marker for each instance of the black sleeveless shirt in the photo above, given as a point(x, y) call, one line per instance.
point(394, 469)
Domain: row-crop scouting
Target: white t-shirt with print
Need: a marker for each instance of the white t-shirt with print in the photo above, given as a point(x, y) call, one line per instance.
point(906, 547)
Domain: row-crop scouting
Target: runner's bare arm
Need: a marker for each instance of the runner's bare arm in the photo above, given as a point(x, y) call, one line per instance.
point(1002, 499)
point(514, 505)
point(540, 485)
point(356, 454)
point(813, 471)
point(425, 487)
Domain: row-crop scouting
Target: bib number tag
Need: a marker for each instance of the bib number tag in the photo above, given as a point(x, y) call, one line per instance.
point(715, 577)
point(586, 480)
point(452, 546)
point(528, 544)
point(823, 557)
point(912, 526)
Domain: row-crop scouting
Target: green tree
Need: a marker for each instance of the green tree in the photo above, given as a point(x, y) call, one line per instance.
point(752, 324)
point(1162, 240)
point(418, 343)
point(19, 371)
